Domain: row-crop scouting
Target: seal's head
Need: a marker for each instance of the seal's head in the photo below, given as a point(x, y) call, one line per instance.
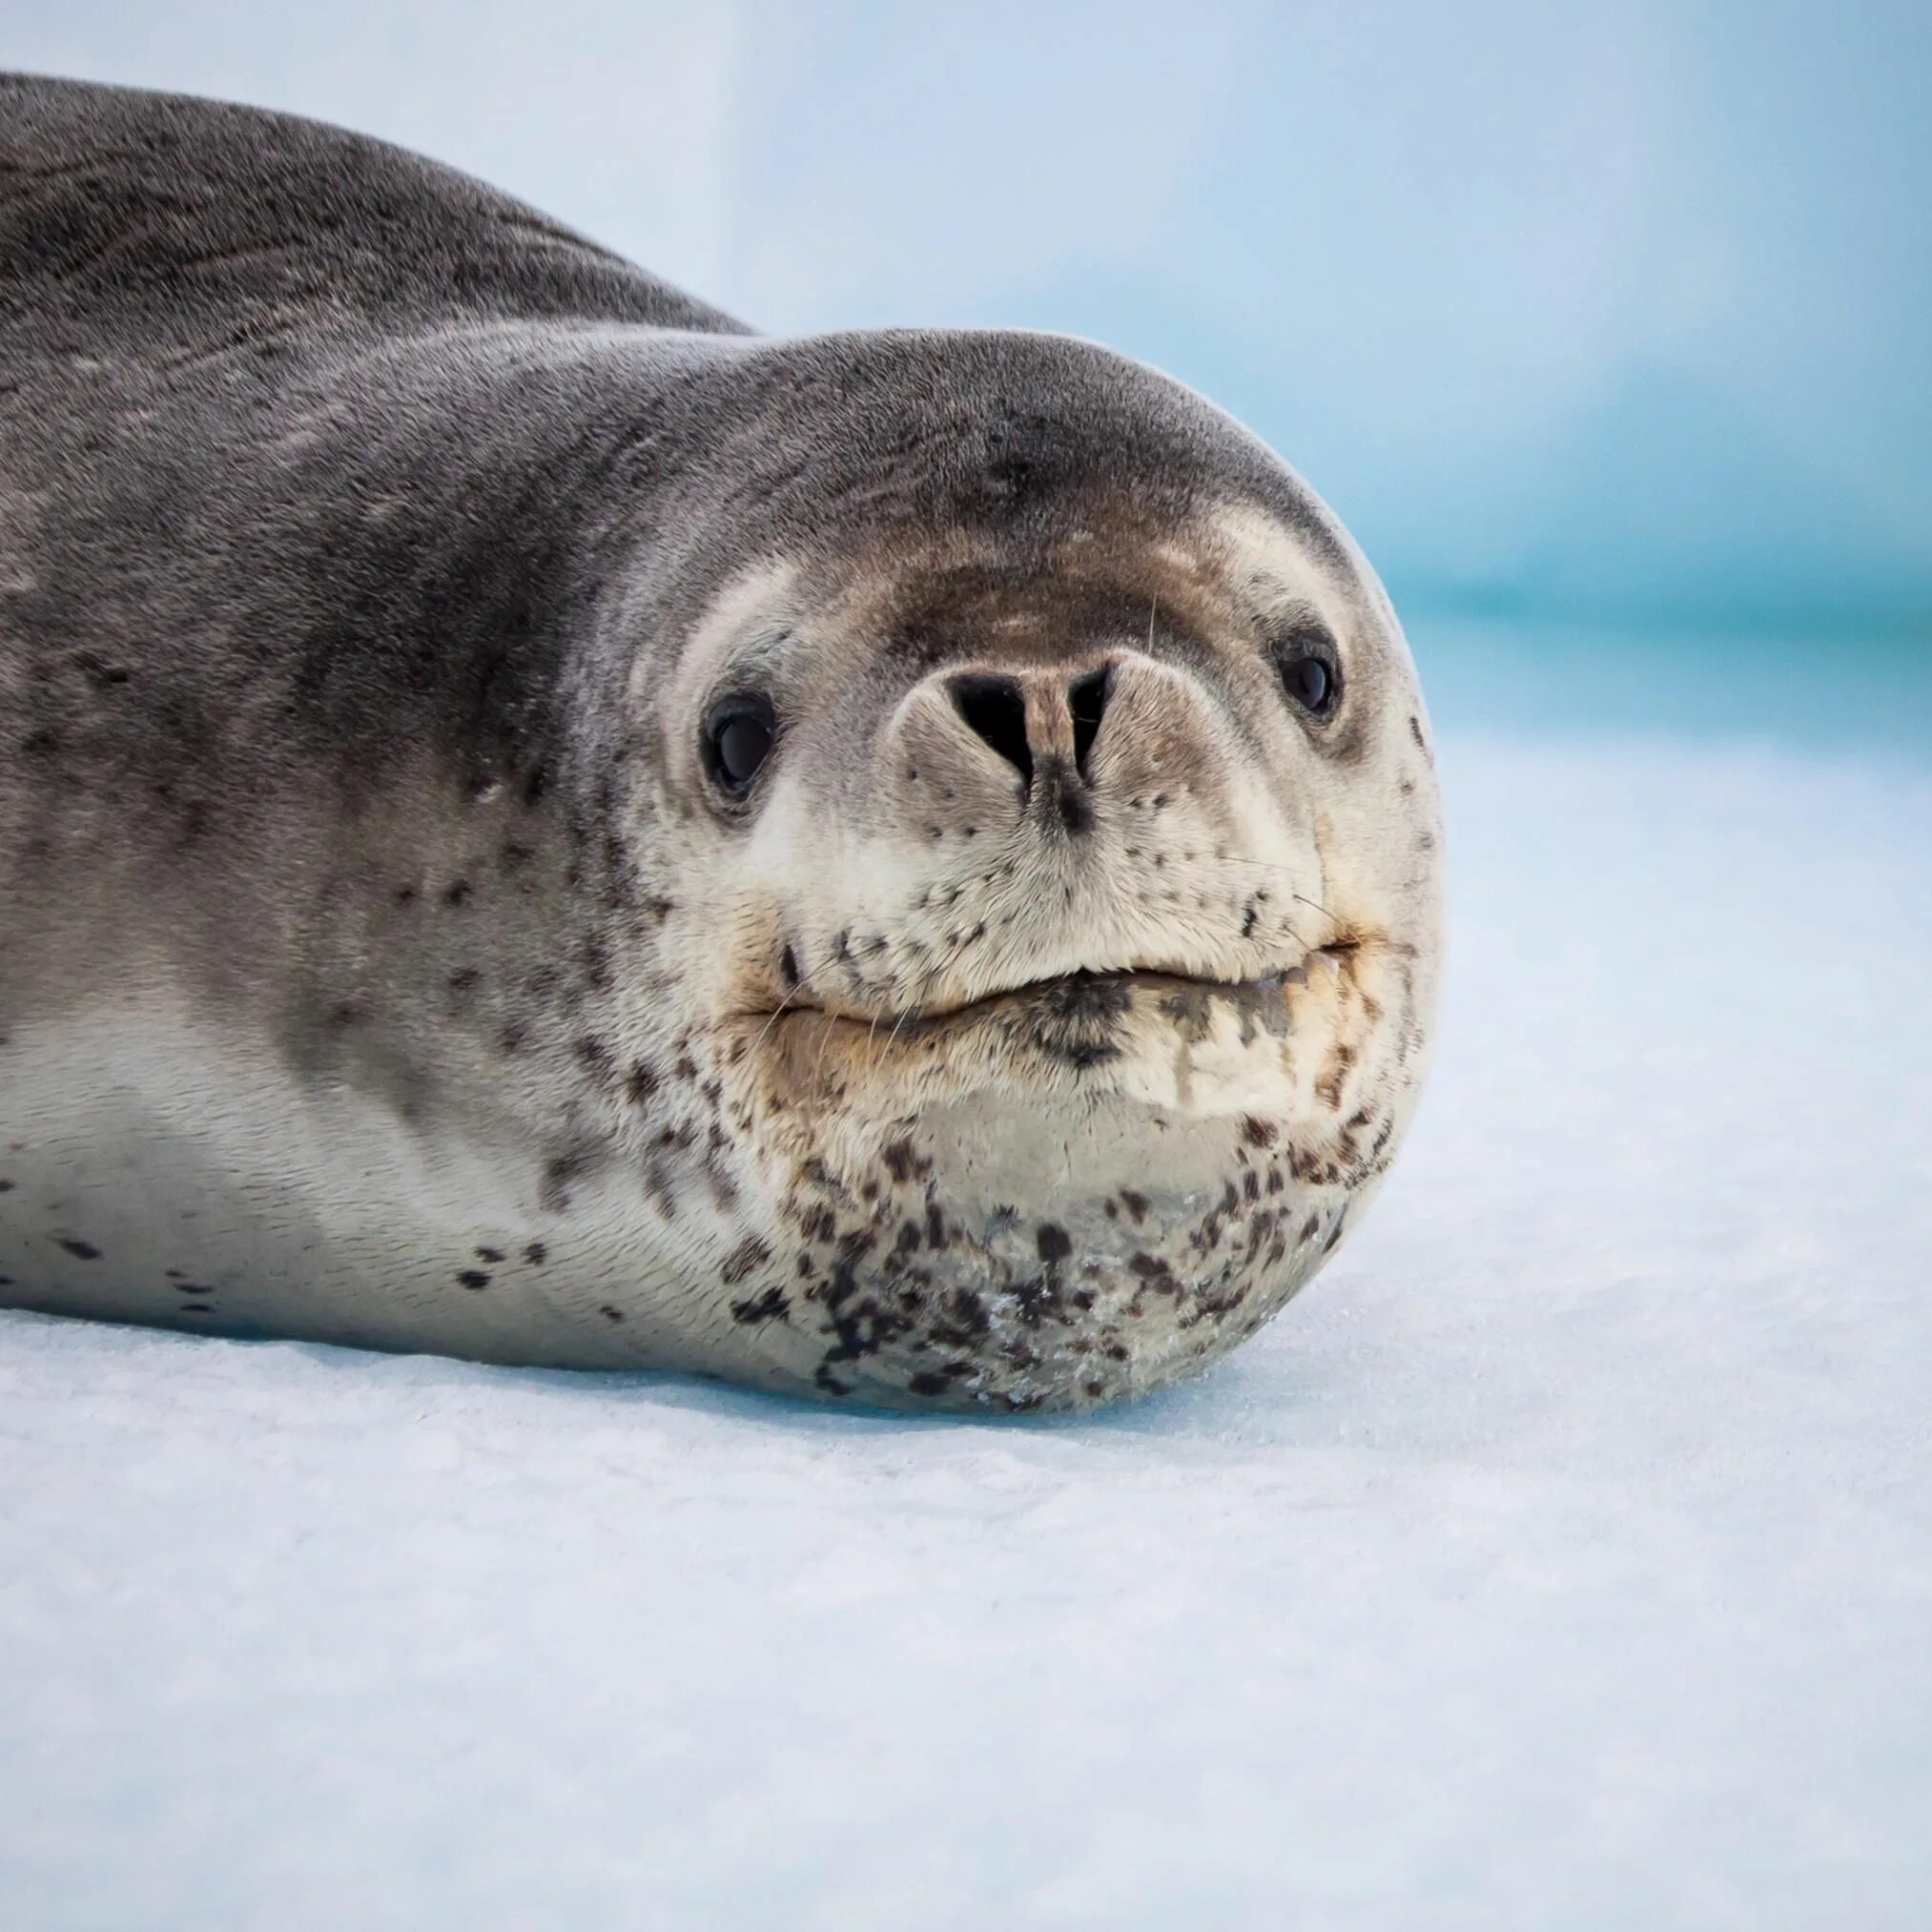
point(1052, 775)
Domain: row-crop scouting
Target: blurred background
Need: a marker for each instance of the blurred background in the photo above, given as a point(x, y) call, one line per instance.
point(1607, 331)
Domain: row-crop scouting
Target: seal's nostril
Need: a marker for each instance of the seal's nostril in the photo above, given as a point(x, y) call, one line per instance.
point(1087, 700)
point(995, 708)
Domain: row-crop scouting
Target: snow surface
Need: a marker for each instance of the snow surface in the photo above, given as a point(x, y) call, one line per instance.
point(1562, 1558)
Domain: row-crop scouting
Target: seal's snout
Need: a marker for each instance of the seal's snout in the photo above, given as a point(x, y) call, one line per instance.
point(1050, 743)
point(1044, 724)
point(1035, 808)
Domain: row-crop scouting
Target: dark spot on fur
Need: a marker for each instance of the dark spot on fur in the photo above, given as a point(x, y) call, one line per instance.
point(558, 1172)
point(457, 894)
point(609, 1313)
point(856, 1244)
point(81, 1250)
point(1155, 1272)
point(1053, 1242)
point(748, 1255)
point(936, 1380)
point(770, 1306)
point(902, 1161)
point(103, 676)
point(536, 1254)
point(1328, 1087)
point(1076, 1021)
point(1257, 1132)
point(1136, 1204)
point(1035, 1299)
point(489, 1254)
point(474, 1278)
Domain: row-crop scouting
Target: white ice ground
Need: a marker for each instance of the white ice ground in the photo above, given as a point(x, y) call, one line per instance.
point(1562, 1559)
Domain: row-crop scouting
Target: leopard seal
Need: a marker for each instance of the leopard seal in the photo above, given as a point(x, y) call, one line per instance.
point(542, 825)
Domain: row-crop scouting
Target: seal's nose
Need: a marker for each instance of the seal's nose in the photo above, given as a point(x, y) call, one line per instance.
point(993, 709)
point(1044, 725)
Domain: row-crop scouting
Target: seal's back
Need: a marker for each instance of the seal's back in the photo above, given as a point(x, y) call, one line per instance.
point(124, 212)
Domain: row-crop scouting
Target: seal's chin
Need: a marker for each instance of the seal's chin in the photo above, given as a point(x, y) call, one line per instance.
point(1009, 1244)
point(1066, 1190)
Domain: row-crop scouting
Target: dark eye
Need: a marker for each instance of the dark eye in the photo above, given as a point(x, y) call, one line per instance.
point(1308, 682)
point(1309, 674)
point(739, 735)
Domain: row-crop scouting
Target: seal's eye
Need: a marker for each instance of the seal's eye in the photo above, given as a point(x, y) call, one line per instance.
point(739, 735)
point(1310, 682)
point(1310, 675)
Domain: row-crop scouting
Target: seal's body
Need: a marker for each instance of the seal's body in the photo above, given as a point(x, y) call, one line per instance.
point(540, 824)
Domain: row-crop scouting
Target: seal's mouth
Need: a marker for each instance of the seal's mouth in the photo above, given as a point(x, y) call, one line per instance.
point(1089, 993)
point(1095, 991)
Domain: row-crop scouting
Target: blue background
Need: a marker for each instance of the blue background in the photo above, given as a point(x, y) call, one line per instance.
point(1605, 330)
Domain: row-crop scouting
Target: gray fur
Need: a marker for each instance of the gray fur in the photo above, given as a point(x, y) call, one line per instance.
point(377, 966)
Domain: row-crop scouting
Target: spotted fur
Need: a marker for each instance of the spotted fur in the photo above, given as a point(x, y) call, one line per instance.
point(381, 965)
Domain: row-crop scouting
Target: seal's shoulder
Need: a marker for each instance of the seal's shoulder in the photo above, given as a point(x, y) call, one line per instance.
point(114, 200)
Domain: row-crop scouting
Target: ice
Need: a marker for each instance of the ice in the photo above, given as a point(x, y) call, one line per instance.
point(1563, 1557)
